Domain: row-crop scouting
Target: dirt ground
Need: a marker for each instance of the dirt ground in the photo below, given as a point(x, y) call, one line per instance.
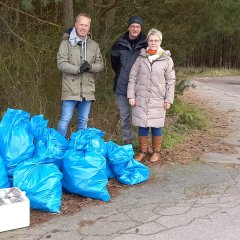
point(198, 142)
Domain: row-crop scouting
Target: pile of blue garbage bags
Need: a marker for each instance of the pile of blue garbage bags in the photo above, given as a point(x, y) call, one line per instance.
point(43, 163)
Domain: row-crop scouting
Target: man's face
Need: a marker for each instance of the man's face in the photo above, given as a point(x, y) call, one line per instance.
point(134, 30)
point(82, 26)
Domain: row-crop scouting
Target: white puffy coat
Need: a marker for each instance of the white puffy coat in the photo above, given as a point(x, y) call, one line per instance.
point(151, 85)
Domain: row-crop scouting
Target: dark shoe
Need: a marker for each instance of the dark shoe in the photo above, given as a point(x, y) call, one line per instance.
point(128, 141)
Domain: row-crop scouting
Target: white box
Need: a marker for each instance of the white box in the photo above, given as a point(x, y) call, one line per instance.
point(14, 215)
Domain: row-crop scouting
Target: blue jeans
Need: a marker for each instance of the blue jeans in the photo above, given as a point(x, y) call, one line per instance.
point(144, 131)
point(68, 107)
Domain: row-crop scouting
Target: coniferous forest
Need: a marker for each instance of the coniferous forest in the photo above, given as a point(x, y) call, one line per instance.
point(199, 33)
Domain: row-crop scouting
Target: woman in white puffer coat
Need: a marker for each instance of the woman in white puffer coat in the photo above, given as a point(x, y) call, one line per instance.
point(150, 93)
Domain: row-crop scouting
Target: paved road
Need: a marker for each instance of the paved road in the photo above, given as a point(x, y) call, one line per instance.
point(200, 201)
point(224, 94)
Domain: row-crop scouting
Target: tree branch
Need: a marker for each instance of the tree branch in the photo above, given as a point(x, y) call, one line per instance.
point(39, 20)
point(21, 39)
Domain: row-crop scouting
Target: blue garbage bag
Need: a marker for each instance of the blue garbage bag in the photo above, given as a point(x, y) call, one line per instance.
point(49, 143)
point(126, 169)
point(89, 140)
point(84, 173)
point(4, 182)
point(42, 184)
point(16, 142)
point(109, 171)
point(38, 126)
point(51, 146)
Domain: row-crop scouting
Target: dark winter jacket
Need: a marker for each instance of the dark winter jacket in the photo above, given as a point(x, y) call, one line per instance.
point(124, 52)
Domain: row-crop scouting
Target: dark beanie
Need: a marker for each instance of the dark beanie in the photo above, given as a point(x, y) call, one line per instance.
point(135, 19)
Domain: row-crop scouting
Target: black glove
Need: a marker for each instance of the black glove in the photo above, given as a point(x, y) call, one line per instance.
point(85, 67)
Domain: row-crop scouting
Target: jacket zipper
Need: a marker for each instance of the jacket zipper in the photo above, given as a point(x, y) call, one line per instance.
point(151, 67)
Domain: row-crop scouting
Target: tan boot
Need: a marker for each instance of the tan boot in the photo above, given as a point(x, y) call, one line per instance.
point(143, 148)
point(156, 142)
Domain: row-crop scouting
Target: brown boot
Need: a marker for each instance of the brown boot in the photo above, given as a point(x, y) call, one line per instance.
point(150, 150)
point(143, 148)
point(156, 142)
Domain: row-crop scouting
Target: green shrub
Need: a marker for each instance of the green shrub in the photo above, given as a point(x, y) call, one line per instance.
point(187, 117)
point(172, 138)
point(181, 86)
point(184, 119)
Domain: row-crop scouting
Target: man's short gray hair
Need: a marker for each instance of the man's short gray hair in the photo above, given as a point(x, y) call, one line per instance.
point(154, 31)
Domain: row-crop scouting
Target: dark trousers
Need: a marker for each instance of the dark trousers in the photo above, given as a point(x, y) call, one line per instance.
point(125, 117)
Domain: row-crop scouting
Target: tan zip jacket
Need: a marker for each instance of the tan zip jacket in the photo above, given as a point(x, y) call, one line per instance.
point(75, 85)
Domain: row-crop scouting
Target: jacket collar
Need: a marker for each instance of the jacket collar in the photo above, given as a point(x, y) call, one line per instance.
point(68, 34)
point(141, 40)
point(165, 55)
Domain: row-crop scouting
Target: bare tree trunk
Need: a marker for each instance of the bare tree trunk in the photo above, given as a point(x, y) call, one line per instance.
point(67, 13)
point(107, 20)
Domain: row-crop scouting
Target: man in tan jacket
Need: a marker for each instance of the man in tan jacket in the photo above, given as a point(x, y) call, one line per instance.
point(79, 58)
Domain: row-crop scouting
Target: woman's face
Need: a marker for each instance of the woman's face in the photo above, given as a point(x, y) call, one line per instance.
point(154, 42)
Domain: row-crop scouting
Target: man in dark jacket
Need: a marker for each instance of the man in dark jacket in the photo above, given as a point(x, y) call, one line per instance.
point(124, 52)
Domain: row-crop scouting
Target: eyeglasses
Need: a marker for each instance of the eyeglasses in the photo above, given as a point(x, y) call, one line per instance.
point(154, 41)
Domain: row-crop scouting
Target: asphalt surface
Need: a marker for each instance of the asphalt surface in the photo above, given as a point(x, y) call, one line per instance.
point(200, 201)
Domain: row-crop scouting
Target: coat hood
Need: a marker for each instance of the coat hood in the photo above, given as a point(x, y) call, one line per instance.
point(68, 31)
point(74, 40)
